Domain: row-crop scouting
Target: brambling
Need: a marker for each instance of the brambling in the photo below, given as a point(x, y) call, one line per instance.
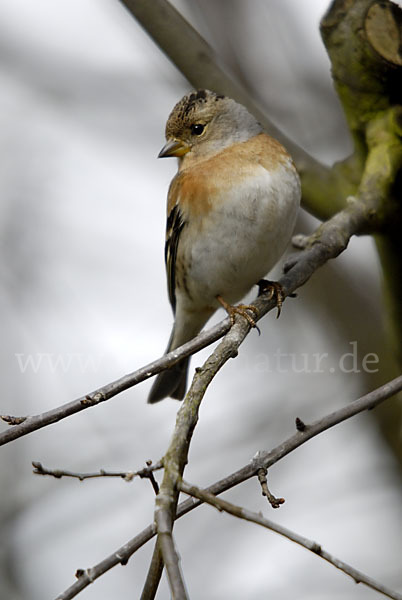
point(231, 210)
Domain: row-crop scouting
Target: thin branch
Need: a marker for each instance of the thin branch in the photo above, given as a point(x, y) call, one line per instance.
point(266, 459)
point(108, 391)
point(146, 472)
point(248, 515)
point(167, 548)
point(330, 239)
point(261, 460)
point(39, 469)
point(176, 456)
point(154, 575)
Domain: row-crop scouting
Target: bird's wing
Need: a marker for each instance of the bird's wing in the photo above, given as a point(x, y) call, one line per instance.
point(174, 227)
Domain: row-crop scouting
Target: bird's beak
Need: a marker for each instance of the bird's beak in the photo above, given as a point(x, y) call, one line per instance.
point(174, 148)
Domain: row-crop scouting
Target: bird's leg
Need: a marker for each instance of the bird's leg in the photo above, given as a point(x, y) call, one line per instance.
point(274, 290)
point(241, 309)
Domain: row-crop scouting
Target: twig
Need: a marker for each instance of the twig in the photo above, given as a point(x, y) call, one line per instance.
point(39, 469)
point(261, 460)
point(262, 478)
point(146, 472)
point(248, 515)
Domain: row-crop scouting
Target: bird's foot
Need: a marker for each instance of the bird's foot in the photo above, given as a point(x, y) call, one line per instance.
point(241, 309)
point(274, 290)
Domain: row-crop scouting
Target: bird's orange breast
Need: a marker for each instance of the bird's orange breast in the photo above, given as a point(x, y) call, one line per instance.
point(201, 184)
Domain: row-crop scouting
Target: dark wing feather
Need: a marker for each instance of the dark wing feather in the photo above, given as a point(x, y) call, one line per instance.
point(174, 227)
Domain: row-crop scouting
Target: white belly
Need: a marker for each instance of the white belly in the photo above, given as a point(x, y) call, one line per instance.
point(241, 239)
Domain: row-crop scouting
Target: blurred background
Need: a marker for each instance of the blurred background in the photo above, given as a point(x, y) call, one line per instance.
point(84, 101)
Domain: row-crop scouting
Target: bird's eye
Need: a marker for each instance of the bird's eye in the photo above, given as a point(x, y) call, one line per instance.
point(197, 129)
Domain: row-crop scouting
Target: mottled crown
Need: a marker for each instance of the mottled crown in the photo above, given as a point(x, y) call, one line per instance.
point(223, 122)
point(201, 104)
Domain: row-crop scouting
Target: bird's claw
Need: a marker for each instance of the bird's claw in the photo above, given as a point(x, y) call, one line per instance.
point(241, 309)
point(274, 290)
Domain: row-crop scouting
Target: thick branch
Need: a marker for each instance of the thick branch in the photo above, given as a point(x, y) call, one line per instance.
point(363, 39)
point(261, 460)
point(248, 515)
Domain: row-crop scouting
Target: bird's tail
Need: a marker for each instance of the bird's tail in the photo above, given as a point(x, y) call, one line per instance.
point(172, 383)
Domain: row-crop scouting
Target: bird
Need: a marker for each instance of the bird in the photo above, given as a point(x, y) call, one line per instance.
point(231, 210)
